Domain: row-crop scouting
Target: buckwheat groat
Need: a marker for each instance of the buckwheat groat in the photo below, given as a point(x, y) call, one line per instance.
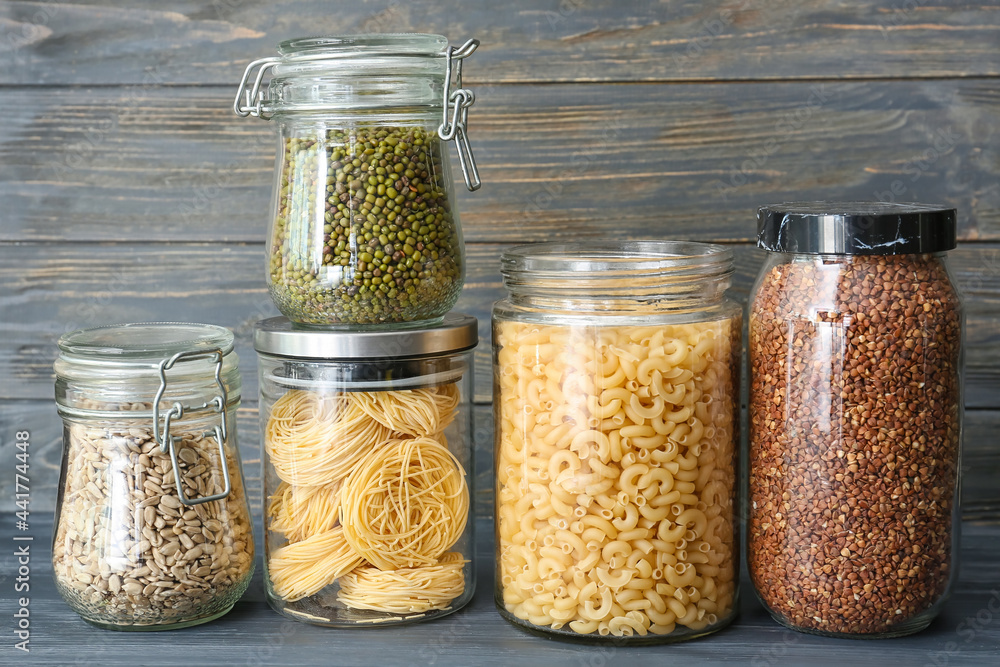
point(854, 440)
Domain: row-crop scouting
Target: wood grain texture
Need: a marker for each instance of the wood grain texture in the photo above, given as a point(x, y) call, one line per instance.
point(130, 192)
point(187, 41)
point(965, 634)
point(980, 456)
point(58, 287)
point(558, 162)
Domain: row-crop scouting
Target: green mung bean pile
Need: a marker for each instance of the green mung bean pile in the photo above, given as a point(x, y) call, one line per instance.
point(364, 232)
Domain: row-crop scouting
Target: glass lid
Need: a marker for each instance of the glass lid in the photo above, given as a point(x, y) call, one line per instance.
point(145, 341)
point(372, 44)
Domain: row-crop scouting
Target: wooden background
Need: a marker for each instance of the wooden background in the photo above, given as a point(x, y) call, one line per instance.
point(129, 191)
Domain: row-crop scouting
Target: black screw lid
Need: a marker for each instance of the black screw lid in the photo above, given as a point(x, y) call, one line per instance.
point(855, 228)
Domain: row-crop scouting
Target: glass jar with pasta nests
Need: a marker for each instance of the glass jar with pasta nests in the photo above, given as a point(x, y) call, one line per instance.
point(367, 451)
point(616, 420)
point(364, 229)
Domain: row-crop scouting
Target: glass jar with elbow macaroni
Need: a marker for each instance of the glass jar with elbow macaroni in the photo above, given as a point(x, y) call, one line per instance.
point(366, 470)
point(616, 385)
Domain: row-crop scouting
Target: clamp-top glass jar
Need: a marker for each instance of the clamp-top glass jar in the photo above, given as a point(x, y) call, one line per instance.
point(364, 229)
point(616, 403)
point(855, 408)
point(152, 528)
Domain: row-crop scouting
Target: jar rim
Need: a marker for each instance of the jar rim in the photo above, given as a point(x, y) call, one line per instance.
point(364, 45)
point(553, 255)
point(145, 342)
point(608, 257)
point(617, 276)
point(279, 337)
point(362, 72)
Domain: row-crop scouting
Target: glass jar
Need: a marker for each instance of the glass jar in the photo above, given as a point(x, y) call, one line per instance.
point(367, 465)
point(152, 529)
point(616, 411)
point(855, 417)
point(363, 225)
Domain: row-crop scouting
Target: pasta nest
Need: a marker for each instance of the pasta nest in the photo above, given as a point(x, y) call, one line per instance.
point(300, 511)
point(412, 412)
point(405, 504)
point(300, 569)
point(407, 590)
point(313, 439)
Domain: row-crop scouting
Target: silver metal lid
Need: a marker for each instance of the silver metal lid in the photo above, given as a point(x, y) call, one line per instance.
point(279, 337)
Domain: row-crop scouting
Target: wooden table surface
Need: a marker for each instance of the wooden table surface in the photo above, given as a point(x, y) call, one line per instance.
point(129, 191)
point(967, 633)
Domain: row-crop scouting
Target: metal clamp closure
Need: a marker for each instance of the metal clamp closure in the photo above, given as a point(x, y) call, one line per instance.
point(253, 96)
point(457, 102)
point(455, 112)
point(168, 442)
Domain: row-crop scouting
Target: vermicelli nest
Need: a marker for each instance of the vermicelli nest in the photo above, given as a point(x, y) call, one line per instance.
point(413, 412)
point(313, 439)
point(405, 504)
point(300, 569)
point(300, 511)
point(408, 590)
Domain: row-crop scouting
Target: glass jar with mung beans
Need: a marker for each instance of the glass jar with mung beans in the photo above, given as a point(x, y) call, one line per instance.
point(855, 351)
point(364, 229)
point(152, 527)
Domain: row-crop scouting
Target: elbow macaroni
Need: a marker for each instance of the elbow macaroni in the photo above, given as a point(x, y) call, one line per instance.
point(616, 475)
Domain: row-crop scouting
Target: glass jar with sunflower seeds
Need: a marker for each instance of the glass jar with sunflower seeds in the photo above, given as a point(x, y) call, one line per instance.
point(152, 527)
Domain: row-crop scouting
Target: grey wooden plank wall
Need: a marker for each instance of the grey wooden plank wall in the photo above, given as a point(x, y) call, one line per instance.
point(129, 191)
